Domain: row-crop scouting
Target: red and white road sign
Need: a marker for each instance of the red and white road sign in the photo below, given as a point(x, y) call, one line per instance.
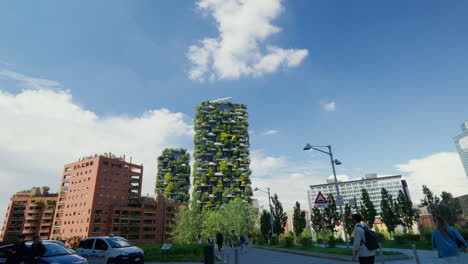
point(320, 201)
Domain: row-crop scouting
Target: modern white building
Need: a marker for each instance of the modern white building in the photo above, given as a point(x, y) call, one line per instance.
point(352, 189)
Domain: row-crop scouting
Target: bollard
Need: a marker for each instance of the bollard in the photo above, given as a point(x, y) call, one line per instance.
point(415, 252)
point(236, 255)
point(381, 253)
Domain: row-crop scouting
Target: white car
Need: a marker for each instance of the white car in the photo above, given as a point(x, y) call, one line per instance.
point(110, 250)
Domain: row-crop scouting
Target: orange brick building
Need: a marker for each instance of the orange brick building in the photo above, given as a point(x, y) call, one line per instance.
point(30, 213)
point(101, 194)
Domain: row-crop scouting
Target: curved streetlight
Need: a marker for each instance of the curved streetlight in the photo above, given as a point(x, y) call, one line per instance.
point(339, 198)
point(269, 202)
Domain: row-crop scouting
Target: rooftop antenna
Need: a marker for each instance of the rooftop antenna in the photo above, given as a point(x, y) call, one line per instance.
point(220, 100)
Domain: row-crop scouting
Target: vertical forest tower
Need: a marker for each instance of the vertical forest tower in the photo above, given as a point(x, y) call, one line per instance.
point(173, 179)
point(221, 170)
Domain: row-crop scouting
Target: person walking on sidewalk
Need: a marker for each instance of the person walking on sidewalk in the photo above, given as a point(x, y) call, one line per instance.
point(360, 249)
point(447, 241)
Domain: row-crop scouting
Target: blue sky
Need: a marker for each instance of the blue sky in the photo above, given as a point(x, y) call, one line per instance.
point(396, 71)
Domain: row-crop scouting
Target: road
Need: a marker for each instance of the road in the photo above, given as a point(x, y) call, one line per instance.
point(255, 256)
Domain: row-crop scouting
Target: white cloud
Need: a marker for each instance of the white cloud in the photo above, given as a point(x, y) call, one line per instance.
point(288, 179)
point(329, 107)
point(340, 177)
point(271, 132)
point(28, 82)
point(440, 172)
point(44, 129)
point(262, 165)
point(240, 48)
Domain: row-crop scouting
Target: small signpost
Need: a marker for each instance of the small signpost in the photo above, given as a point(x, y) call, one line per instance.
point(320, 201)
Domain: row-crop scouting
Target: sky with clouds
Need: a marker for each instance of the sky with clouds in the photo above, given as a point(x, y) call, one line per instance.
point(385, 83)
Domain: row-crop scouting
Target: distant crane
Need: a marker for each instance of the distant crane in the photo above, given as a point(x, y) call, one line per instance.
point(220, 100)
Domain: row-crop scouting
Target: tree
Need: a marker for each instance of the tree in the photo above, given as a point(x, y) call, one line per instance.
point(316, 219)
point(446, 206)
point(299, 220)
point(332, 217)
point(188, 224)
point(406, 211)
point(279, 216)
point(349, 221)
point(367, 209)
point(389, 212)
point(265, 224)
point(169, 189)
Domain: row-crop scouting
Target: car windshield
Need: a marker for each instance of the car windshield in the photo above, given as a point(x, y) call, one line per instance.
point(55, 250)
point(117, 242)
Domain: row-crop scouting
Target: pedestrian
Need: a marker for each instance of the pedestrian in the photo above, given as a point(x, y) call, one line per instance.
point(37, 249)
point(447, 241)
point(233, 238)
point(219, 242)
point(360, 249)
point(210, 241)
point(250, 240)
point(18, 251)
point(199, 238)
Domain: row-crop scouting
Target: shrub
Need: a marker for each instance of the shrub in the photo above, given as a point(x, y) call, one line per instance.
point(331, 242)
point(380, 236)
point(306, 242)
point(340, 240)
point(411, 237)
point(274, 240)
point(289, 241)
point(399, 239)
point(319, 240)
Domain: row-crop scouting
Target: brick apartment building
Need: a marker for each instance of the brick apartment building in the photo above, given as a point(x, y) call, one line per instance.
point(31, 213)
point(101, 194)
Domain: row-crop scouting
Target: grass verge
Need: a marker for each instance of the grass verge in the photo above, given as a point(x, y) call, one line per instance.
point(326, 250)
point(178, 253)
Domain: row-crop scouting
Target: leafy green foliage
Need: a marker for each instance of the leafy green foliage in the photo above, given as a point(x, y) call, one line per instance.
point(316, 220)
point(367, 209)
point(299, 220)
point(389, 212)
point(446, 206)
point(332, 217)
point(173, 178)
point(349, 221)
point(408, 215)
point(279, 216)
point(265, 224)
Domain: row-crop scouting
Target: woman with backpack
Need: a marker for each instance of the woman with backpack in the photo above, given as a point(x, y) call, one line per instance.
point(447, 241)
point(361, 247)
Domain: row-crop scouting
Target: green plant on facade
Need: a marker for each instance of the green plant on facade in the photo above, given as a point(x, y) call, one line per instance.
point(173, 178)
point(221, 170)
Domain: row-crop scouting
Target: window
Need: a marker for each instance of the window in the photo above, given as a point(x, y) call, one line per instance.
point(100, 245)
point(86, 244)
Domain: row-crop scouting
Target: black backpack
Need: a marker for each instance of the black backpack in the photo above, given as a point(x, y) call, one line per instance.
point(372, 243)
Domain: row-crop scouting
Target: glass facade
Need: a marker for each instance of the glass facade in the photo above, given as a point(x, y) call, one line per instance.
point(373, 185)
point(461, 142)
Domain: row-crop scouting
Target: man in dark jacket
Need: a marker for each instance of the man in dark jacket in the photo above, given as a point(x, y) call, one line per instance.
point(18, 251)
point(37, 249)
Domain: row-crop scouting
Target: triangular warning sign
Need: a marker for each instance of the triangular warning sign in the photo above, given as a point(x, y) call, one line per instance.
point(320, 199)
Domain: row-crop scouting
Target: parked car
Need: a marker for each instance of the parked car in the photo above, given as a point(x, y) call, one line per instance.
point(59, 243)
point(54, 254)
point(110, 250)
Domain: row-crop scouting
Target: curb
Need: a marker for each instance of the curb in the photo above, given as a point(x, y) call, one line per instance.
point(331, 256)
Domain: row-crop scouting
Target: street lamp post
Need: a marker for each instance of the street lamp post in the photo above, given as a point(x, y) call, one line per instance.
point(271, 208)
point(339, 198)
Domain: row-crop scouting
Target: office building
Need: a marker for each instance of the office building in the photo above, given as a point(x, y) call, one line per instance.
point(173, 179)
point(352, 189)
point(101, 195)
point(31, 213)
point(221, 169)
point(461, 142)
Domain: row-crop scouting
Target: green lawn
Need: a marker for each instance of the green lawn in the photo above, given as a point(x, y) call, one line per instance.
point(178, 253)
point(337, 251)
